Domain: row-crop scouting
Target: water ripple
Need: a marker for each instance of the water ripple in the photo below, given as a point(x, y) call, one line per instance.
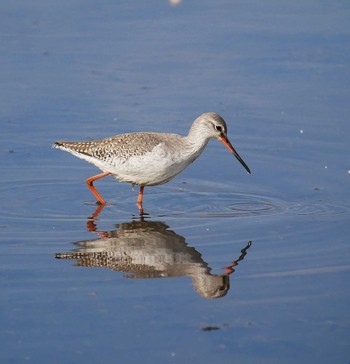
point(52, 199)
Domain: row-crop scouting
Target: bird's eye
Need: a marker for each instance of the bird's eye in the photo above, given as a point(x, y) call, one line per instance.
point(218, 128)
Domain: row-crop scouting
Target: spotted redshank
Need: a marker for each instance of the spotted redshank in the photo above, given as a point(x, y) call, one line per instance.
point(149, 159)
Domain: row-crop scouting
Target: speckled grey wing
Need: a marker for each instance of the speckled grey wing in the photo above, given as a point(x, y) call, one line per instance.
point(121, 146)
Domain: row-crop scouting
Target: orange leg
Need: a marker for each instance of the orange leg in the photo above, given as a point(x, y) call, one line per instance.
point(90, 181)
point(139, 199)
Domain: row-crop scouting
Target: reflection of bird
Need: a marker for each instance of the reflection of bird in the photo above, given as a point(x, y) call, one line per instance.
point(148, 249)
point(149, 159)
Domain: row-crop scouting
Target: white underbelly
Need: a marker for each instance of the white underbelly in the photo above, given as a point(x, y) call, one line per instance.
point(149, 169)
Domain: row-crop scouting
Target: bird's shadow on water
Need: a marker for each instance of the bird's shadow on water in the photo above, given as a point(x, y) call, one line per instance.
point(142, 248)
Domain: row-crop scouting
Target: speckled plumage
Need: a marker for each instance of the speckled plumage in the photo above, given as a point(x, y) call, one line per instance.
point(149, 159)
point(121, 146)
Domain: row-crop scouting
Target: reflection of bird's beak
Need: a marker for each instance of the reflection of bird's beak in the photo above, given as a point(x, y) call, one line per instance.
point(229, 146)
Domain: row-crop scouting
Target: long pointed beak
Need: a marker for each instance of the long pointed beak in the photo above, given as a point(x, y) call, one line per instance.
point(229, 146)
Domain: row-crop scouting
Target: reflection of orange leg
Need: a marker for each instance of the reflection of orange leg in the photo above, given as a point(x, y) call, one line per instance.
point(90, 181)
point(139, 199)
point(97, 212)
point(92, 221)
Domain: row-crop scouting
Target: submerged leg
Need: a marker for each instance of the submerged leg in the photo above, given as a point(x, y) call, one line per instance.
point(139, 199)
point(90, 181)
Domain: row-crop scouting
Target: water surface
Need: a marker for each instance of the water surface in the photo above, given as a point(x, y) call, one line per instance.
point(79, 284)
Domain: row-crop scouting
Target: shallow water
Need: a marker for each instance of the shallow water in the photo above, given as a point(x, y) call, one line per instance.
point(83, 284)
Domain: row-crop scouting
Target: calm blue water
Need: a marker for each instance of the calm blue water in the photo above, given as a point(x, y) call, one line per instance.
point(274, 245)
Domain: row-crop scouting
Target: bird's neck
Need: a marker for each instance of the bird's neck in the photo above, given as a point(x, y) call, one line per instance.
point(196, 141)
